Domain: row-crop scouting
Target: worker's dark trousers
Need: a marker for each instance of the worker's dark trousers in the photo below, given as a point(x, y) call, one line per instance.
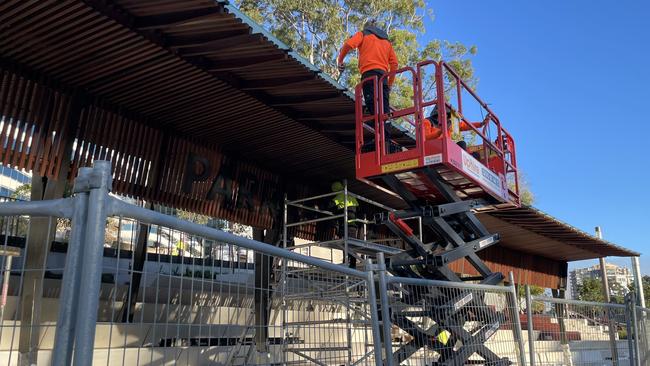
point(369, 92)
point(369, 97)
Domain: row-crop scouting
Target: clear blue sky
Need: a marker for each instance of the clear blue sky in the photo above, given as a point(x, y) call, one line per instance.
point(570, 80)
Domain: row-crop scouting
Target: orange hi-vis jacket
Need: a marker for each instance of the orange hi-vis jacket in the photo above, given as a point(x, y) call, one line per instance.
point(374, 53)
point(431, 132)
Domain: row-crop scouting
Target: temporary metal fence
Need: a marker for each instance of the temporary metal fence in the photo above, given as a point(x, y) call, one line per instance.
point(440, 322)
point(136, 286)
point(199, 301)
point(570, 332)
point(33, 260)
point(93, 279)
point(643, 335)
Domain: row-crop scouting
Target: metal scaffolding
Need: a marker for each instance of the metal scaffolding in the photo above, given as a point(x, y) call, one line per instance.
point(349, 247)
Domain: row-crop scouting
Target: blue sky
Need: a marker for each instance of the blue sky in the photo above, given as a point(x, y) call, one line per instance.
point(570, 79)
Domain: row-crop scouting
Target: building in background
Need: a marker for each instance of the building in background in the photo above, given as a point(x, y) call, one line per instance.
point(619, 278)
point(12, 179)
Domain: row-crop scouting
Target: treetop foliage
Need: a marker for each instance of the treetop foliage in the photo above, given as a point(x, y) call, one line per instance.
point(317, 29)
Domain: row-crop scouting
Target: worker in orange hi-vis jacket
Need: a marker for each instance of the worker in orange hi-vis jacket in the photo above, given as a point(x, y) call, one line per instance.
point(376, 58)
point(433, 130)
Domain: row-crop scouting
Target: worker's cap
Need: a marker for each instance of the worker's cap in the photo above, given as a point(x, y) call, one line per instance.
point(337, 186)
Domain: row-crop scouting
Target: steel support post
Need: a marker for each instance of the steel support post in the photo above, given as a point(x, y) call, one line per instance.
point(561, 311)
point(629, 308)
point(283, 282)
point(262, 293)
point(374, 315)
point(638, 281)
point(604, 279)
point(516, 329)
point(385, 310)
point(345, 223)
point(99, 184)
point(65, 325)
point(603, 268)
point(635, 329)
point(611, 324)
point(346, 261)
point(5, 285)
point(531, 330)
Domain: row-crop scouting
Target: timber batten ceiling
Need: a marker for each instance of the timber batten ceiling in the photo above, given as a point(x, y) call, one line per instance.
point(191, 67)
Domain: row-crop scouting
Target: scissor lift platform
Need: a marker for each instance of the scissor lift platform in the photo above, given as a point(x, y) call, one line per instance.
point(468, 177)
point(485, 171)
point(443, 182)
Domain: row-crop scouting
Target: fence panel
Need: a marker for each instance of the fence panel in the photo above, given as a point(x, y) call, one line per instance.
point(643, 321)
point(437, 322)
point(571, 332)
point(33, 246)
point(173, 295)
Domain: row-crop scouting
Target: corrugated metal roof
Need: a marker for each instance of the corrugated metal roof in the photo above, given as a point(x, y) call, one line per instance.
point(531, 230)
point(204, 70)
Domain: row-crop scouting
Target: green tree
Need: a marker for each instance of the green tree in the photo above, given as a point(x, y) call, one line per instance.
point(525, 194)
point(538, 307)
point(193, 217)
point(316, 29)
point(23, 192)
point(645, 282)
point(591, 290)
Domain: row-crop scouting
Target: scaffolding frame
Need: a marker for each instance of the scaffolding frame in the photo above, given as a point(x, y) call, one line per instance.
point(360, 247)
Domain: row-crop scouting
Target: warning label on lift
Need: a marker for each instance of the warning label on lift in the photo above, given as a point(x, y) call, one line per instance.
point(482, 174)
point(399, 165)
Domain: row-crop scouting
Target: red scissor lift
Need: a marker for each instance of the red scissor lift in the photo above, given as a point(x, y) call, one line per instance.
point(444, 183)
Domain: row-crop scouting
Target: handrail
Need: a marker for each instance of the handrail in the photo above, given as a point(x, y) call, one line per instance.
point(461, 84)
point(499, 149)
point(415, 109)
point(502, 148)
point(361, 122)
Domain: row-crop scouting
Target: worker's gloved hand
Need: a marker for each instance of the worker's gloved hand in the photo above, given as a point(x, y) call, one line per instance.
point(341, 67)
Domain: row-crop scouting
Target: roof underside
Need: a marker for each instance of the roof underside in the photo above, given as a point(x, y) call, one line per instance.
point(530, 230)
point(201, 69)
point(192, 67)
